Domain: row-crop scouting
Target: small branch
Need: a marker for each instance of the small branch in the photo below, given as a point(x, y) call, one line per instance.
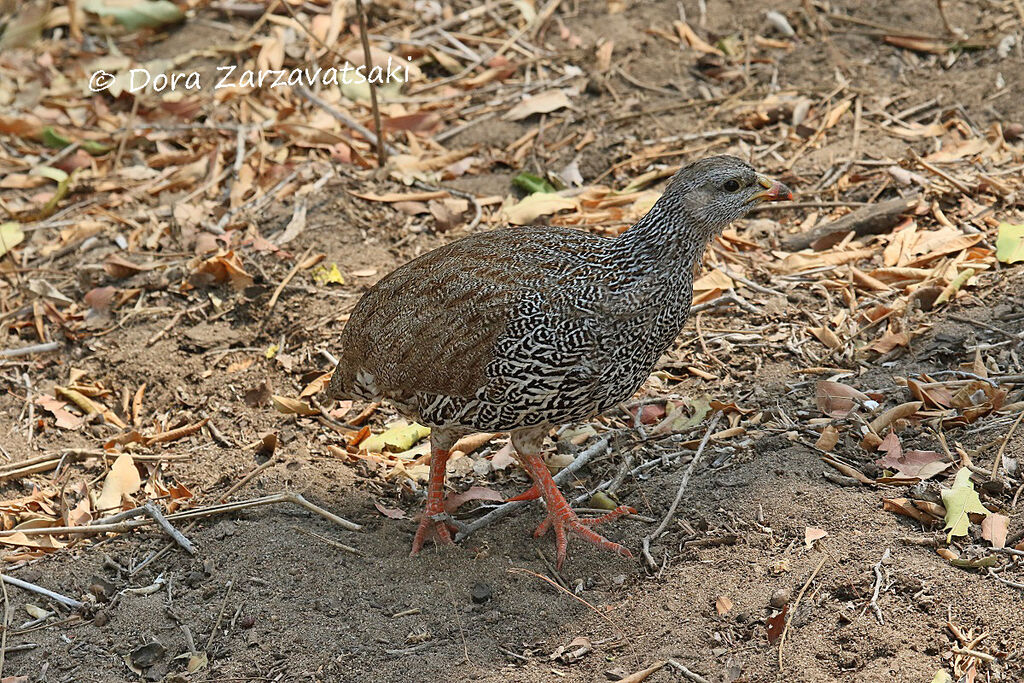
point(696, 678)
point(56, 597)
point(878, 587)
point(344, 118)
point(368, 63)
point(789, 621)
point(999, 455)
point(679, 492)
point(29, 350)
point(873, 219)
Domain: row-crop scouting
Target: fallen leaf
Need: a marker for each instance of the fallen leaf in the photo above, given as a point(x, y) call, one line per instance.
point(539, 204)
point(812, 534)
point(328, 276)
point(723, 604)
point(837, 400)
point(292, 406)
point(776, 624)
point(390, 513)
point(122, 480)
point(543, 103)
point(828, 439)
point(993, 529)
point(961, 500)
point(65, 419)
point(1009, 243)
point(401, 436)
point(456, 500)
point(11, 235)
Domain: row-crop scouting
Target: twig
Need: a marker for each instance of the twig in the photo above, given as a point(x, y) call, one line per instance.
point(220, 616)
point(247, 478)
point(328, 541)
point(368, 63)
point(154, 512)
point(6, 624)
point(873, 219)
point(1012, 584)
point(696, 678)
point(28, 350)
point(878, 587)
point(730, 296)
point(344, 118)
point(56, 597)
point(679, 492)
point(288, 278)
point(782, 638)
point(506, 509)
point(999, 455)
point(121, 527)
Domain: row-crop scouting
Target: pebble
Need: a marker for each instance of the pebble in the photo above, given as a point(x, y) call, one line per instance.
point(481, 593)
point(781, 598)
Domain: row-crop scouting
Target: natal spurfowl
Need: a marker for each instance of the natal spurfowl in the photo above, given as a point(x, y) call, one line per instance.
point(524, 328)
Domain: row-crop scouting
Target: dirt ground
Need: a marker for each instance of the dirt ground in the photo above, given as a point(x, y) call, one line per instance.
point(269, 596)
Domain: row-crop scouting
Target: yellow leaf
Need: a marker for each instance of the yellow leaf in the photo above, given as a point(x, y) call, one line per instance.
point(271, 351)
point(1009, 243)
point(401, 436)
point(123, 479)
point(959, 501)
point(11, 236)
point(328, 276)
point(292, 406)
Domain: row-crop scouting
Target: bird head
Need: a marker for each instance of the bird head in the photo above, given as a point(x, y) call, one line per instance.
point(715, 191)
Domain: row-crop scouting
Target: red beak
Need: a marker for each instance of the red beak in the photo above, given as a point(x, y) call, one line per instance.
point(775, 192)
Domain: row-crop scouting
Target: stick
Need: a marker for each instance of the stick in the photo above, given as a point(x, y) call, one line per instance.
point(878, 587)
point(344, 118)
point(679, 492)
point(874, 219)
point(153, 511)
point(696, 678)
point(999, 455)
point(782, 638)
point(247, 478)
point(28, 350)
point(6, 624)
point(368, 63)
point(288, 278)
point(56, 597)
point(220, 616)
point(121, 527)
point(504, 510)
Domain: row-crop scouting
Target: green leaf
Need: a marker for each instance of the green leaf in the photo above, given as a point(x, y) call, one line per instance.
point(942, 677)
point(62, 179)
point(959, 501)
point(1010, 243)
point(136, 14)
point(95, 148)
point(52, 138)
point(531, 183)
point(11, 235)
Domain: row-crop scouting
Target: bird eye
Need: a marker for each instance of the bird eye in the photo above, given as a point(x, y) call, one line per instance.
point(732, 185)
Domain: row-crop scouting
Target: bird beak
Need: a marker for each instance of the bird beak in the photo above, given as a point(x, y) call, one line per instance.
point(774, 190)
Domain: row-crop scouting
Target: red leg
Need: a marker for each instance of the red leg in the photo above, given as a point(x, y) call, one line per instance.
point(561, 517)
point(430, 528)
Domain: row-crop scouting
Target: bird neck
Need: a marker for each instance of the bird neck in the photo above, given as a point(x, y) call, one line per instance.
point(666, 242)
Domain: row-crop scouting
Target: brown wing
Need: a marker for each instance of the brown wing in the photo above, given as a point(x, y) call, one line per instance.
point(430, 325)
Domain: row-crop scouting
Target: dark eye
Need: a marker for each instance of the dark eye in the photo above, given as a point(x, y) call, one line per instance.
point(732, 185)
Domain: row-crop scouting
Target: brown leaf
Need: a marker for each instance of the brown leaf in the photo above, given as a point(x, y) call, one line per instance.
point(993, 529)
point(812, 534)
point(723, 604)
point(828, 439)
point(543, 103)
point(776, 624)
point(456, 500)
point(837, 400)
point(119, 267)
point(122, 480)
point(390, 513)
point(65, 419)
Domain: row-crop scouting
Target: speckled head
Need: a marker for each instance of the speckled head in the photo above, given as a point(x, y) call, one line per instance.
point(715, 191)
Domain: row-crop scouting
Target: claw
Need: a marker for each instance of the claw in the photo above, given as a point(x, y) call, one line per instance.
point(561, 517)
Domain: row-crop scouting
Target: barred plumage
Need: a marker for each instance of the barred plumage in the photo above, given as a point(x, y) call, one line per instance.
point(523, 328)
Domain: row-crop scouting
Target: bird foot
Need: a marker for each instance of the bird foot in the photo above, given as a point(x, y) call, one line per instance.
point(561, 517)
point(568, 521)
point(532, 493)
point(431, 529)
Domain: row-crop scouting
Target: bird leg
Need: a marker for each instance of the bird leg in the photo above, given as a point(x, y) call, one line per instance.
point(560, 516)
point(429, 527)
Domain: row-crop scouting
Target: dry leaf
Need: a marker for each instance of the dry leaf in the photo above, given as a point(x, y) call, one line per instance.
point(723, 604)
point(837, 400)
point(993, 529)
point(547, 101)
point(122, 480)
point(812, 534)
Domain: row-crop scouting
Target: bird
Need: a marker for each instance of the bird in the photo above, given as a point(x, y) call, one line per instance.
point(522, 329)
